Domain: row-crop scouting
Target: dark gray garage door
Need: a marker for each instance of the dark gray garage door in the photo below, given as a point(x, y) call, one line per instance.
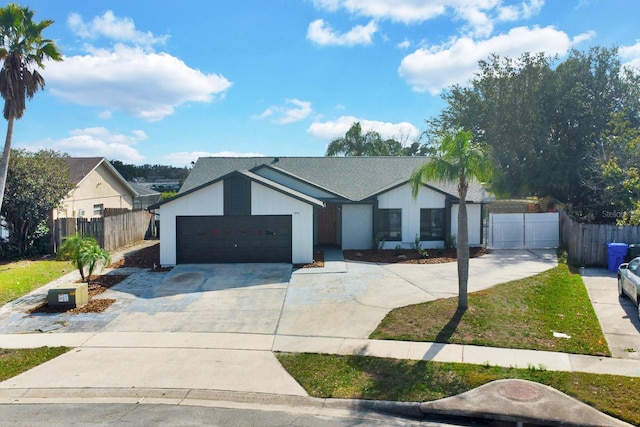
point(215, 239)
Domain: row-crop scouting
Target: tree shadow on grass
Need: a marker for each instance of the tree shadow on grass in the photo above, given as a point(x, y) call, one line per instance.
point(445, 334)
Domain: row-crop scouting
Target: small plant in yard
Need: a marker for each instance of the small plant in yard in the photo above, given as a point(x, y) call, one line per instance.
point(84, 252)
point(417, 246)
point(449, 241)
point(93, 256)
point(377, 242)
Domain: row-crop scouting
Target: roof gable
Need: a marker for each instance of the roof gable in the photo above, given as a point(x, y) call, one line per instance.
point(81, 167)
point(252, 177)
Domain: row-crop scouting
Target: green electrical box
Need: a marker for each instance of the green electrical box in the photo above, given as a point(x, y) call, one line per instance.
point(68, 296)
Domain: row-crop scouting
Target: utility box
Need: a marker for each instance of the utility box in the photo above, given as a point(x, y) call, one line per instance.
point(67, 297)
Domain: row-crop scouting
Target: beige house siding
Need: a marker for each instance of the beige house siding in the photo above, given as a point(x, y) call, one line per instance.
point(100, 186)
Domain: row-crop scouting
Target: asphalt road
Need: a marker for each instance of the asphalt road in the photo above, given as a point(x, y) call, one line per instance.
point(119, 414)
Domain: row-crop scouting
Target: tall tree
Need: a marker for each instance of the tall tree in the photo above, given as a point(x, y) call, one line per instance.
point(355, 143)
point(544, 122)
point(36, 184)
point(457, 158)
point(22, 47)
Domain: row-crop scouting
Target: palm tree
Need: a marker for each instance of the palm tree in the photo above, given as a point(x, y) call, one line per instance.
point(457, 158)
point(72, 248)
point(92, 255)
point(21, 47)
point(354, 143)
point(84, 251)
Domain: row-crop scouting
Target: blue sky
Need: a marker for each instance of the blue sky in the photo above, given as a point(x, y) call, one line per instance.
point(165, 82)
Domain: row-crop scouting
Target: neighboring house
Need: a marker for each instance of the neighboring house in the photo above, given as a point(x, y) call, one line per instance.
point(266, 209)
point(98, 186)
point(146, 196)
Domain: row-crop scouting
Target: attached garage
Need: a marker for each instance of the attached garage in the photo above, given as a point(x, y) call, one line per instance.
point(240, 217)
point(246, 238)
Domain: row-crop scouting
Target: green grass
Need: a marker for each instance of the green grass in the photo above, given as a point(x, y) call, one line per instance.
point(20, 278)
point(519, 314)
point(14, 362)
point(358, 377)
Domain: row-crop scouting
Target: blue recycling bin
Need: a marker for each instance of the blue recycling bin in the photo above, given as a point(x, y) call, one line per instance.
point(616, 253)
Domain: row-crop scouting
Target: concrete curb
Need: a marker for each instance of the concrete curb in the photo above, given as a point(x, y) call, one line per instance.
point(516, 401)
point(522, 402)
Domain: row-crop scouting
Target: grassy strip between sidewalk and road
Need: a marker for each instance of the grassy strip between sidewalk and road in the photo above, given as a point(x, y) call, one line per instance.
point(21, 277)
point(17, 361)
point(520, 314)
point(359, 377)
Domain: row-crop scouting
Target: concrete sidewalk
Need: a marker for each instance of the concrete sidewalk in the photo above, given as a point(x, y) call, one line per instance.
point(174, 368)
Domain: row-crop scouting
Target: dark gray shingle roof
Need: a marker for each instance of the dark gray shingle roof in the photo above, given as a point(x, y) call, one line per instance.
point(354, 177)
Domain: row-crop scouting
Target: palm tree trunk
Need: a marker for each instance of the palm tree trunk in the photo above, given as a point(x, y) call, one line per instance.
point(4, 164)
point(462, 252)
point(462, 249)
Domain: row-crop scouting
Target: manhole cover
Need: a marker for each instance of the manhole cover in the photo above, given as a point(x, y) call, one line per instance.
point(520, 392)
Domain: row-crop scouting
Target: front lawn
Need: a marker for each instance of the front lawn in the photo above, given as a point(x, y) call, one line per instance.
point(359, 377)
point(519, 314)
point(21, 277)
point(14, 362)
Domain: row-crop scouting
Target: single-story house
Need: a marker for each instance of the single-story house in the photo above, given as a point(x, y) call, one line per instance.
point(98, 186)
point(277, 209)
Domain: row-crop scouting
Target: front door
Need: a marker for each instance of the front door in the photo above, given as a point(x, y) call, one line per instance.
point(327, 224)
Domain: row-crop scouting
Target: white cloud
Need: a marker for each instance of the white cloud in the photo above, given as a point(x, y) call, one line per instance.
point(295, 110)
point(407, 11)
point(322, 34)
point(630, 55)
point(478, 15)
point(329, 130)
point(112, 27)
point(405, 44)
point(128, 76)
point(454, 63)
point(583, 37)
point(97, 142)
point(185, 158)
point(142, 84)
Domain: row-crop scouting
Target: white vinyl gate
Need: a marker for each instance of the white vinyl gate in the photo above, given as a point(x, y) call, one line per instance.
point(524, 231)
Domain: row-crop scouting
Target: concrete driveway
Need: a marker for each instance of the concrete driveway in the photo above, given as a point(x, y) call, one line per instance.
point(618, 316)
point(352, 304)
point(345, 299)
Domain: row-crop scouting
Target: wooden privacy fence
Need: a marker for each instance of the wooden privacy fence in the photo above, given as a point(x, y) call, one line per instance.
point(586, 244)
point(111, 232)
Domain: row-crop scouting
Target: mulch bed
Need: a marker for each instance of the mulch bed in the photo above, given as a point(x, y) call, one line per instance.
point(318, 261)
point(145, 258)
point(408, 256)
point(97, 285)
point(148, 257)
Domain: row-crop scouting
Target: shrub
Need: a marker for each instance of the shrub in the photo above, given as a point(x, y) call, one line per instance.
point(83, 251)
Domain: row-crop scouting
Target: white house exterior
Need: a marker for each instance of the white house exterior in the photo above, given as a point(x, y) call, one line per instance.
point(279, 209)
